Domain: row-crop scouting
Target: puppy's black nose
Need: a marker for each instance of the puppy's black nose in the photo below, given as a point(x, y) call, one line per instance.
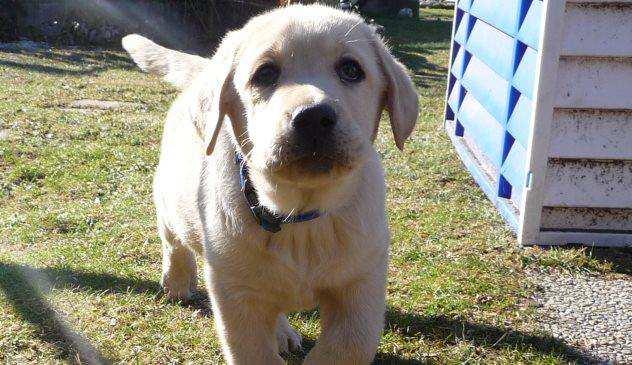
point(315, 120)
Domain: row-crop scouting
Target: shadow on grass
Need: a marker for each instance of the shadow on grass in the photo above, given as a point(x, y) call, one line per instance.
point(412, 40)
point(446, 330)
point(452, 331)
point(83, 61)
point(619, 258)
point(604, 259)
point(26, 287)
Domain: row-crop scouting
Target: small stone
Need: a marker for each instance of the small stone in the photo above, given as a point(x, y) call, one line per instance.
point(100, 104)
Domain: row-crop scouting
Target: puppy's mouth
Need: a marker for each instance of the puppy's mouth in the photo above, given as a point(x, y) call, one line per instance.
point(315, 164)
point(312, 162)
point(314, 167)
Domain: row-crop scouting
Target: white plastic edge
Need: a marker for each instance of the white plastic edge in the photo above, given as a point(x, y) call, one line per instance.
point(537, 152)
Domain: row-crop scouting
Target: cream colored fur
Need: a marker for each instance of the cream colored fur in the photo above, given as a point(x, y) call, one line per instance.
point(338, 261)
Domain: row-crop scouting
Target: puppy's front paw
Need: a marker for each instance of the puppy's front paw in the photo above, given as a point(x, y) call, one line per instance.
point(287, 338)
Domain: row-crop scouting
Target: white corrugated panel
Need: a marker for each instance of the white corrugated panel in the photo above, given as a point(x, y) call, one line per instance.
point(591, 134)
point(591, 30)
point(594, 83)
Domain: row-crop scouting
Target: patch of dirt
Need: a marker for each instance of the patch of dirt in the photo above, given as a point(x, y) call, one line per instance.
point(101, 104)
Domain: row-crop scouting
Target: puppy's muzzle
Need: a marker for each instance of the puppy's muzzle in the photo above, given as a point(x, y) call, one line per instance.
point(315, 144)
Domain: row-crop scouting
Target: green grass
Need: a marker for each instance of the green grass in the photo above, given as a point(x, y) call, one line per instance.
point(78, 247)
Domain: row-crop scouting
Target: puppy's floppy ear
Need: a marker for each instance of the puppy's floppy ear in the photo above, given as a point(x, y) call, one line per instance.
point(401, 100)
point(215, 88)
point(220, 96)
point(177, 68)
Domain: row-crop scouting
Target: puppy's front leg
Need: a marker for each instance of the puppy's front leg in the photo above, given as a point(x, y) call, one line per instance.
point(352, 321)
point(246, 327)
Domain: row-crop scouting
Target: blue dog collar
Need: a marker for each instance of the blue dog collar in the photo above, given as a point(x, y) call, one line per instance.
point(268, 220)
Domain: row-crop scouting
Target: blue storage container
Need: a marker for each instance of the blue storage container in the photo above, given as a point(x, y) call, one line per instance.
point(539, 108)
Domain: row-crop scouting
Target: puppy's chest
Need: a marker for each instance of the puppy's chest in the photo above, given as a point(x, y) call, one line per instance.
point(307, 258)
point(309, 253)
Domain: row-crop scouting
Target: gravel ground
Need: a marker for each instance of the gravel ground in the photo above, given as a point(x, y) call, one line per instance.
point(591, 313)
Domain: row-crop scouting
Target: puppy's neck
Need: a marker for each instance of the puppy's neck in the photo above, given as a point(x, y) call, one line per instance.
point(290, 199)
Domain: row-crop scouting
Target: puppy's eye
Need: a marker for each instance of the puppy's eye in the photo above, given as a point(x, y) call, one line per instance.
point(350, 71)
point(266, 75)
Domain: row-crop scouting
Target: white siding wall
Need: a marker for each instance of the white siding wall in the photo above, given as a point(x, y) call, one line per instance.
point(588, 189)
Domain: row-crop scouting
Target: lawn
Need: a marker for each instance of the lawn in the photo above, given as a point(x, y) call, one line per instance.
point(80, 257)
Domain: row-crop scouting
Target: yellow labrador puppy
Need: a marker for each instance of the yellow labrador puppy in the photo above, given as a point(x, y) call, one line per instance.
point(268, 171)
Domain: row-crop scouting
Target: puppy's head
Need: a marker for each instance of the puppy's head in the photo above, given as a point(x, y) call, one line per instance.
point(304, 88)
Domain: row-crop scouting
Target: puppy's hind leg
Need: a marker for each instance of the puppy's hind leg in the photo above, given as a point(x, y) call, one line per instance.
point(179, 273)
